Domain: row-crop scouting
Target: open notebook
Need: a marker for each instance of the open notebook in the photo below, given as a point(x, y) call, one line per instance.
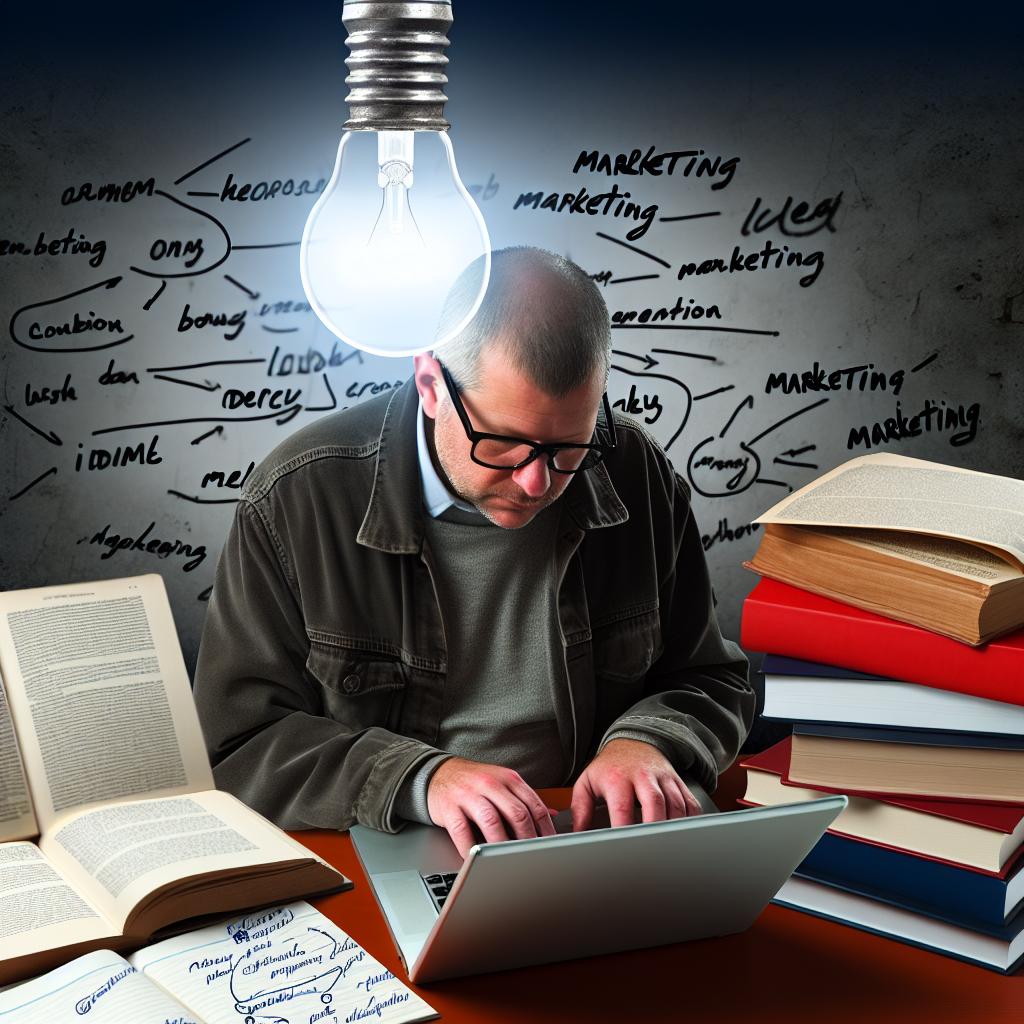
point(286, 965)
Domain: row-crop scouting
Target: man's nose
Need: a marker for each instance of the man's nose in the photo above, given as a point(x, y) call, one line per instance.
point(534, 478)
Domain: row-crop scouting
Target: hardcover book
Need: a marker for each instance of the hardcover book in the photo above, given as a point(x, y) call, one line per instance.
point(111, 829)
point(928, 544)
point(782, 619)
point(986, 837)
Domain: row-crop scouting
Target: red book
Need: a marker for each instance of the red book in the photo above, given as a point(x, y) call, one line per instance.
point(780, 619)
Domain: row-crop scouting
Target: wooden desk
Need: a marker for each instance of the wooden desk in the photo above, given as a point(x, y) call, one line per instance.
point(788, 967)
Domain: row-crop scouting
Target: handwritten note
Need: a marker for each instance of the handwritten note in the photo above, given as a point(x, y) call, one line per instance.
point(99, 988)
point(290, 965)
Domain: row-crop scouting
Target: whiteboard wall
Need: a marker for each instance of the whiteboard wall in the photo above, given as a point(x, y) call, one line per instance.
point(808, 237)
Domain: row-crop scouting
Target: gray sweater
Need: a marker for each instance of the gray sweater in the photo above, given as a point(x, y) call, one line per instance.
point(497, 591)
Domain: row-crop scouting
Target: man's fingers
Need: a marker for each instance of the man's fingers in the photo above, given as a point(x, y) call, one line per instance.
point(692, 803)
point(675, 801)
point(652, 802)
point(488, 819)
point(517, 815)
point(461, 832)
point(539, 811)
point(582, 805)
point(620, 798)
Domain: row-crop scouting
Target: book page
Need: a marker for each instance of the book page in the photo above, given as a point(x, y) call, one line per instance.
point(288, 965)
point(894, 492)
point(120, 853)
point(101, 987)
point(953, 556)
point(99, 694)
point(38, 908)
point(16, 818)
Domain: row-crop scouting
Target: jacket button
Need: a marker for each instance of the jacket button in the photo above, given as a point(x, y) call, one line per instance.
point(350, 683)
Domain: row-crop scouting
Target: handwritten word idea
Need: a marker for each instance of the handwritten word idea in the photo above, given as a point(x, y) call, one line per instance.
point(795, 221)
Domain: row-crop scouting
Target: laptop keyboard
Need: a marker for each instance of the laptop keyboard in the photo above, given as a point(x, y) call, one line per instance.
point(439, 886)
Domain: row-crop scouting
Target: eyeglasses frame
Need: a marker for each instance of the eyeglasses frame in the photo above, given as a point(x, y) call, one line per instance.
point(538, 449)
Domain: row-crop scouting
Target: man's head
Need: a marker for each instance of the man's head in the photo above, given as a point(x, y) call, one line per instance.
point(533, 363)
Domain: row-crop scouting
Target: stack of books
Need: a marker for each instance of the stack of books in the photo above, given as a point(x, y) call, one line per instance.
point(892, 614)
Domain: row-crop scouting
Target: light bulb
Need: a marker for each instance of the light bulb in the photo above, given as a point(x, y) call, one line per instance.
point(395, 227)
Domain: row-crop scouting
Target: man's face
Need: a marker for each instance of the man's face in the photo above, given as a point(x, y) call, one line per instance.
point(506, 402)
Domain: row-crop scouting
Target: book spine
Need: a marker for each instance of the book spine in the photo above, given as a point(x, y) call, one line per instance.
point(882, 647)
point(957, 895)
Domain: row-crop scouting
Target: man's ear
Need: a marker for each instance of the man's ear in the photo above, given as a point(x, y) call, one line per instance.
point(429, 382)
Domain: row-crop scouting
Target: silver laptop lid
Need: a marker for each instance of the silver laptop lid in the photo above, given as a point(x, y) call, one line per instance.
point(559, 897)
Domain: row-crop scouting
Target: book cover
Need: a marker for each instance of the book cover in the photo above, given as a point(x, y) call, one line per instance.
point(948, 892)
point(781, 619)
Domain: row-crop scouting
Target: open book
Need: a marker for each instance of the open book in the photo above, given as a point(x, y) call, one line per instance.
point(102, 759)
point(932, 545)
point(287, 965)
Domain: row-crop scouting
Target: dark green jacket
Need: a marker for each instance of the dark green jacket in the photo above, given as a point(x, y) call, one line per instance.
point(321, 672)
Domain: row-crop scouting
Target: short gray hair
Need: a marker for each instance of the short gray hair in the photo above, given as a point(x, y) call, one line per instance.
point(544, 311)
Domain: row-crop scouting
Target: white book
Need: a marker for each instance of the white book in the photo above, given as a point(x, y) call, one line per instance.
point(1001, 954)
point(885, 702)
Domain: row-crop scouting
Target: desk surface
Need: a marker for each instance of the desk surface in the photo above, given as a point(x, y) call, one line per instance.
point(788, 967)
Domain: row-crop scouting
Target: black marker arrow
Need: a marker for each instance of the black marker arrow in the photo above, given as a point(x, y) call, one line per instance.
point(643, 359)
point(794, 452)
point(748, 402)
point(324, 408)
point(159, 292)
point(203, 501)
point(206, 386)
point(28, 487)
point(51, 436)
point(204, 595)
point(219, 429)
point(238, 284)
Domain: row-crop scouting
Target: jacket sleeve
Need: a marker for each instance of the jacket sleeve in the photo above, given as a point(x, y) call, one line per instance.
point(698, 704)
point(269, 740)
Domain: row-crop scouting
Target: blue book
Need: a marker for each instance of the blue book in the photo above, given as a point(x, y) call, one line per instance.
point(920, 737)
point(968, 899)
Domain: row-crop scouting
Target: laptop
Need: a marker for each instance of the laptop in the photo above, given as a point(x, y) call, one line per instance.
point(534, 901)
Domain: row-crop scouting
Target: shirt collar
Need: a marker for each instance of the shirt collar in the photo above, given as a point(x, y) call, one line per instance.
point(437, 498)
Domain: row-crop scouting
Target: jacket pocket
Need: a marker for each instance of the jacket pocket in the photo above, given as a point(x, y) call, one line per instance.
point(625, 648)
point(359, 688)
point(624, 651)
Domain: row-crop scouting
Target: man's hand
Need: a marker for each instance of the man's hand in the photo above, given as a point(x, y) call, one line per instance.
point(464, 793)
point(627, 772)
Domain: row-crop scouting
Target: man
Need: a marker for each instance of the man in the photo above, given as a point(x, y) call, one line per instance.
point(433, 604)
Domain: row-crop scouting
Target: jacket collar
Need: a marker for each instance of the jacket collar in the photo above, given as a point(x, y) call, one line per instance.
point(394, 514)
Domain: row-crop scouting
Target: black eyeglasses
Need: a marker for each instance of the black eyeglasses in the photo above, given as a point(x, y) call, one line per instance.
point(499, 451)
